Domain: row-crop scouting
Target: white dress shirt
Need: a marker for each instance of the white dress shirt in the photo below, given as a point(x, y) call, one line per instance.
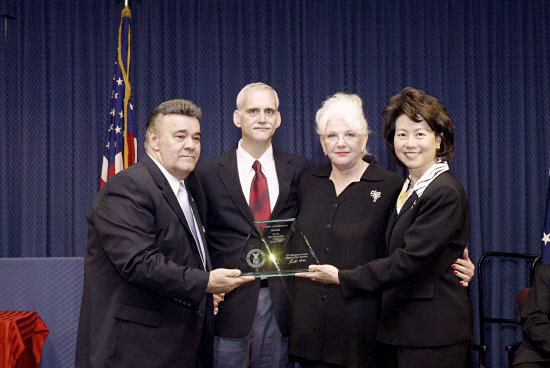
point(246, 173)
point(175, 185)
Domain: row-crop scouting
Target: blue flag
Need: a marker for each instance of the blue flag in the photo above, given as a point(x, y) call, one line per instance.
point(546, 231)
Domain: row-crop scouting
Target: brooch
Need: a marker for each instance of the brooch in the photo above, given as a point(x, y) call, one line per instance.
point(375, 194)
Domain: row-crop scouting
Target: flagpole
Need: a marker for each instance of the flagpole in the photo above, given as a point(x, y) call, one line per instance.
point(119, 150)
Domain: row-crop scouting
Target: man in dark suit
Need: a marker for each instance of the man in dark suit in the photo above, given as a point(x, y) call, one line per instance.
point(535, 313)
point(251, 327)
point(148, 280)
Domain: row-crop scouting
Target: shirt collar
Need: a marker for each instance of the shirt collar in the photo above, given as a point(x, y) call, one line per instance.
point(248, 160)
point(433, 172)
point(172, 180)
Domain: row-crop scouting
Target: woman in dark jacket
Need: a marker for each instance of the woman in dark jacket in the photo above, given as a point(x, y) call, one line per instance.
point(425, 317)
point(344, 211)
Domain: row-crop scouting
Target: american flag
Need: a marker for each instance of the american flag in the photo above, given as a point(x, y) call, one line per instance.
point(546, 231)
point(120, 149)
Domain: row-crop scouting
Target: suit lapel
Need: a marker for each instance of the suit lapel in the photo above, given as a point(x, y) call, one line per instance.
point(170, 197)
point(285, 172)
point(229, 176)
point(391, 223)
point(201, 232)
point(409, 204)
point(394, 217)
point(165, 188)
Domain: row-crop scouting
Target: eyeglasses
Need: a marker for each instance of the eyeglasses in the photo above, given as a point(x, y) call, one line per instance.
point(348, 137)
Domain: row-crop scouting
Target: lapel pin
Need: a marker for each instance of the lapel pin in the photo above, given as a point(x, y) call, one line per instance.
point(375, 194)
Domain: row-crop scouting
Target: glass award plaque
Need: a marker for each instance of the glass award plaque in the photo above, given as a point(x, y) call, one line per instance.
point(276, 248)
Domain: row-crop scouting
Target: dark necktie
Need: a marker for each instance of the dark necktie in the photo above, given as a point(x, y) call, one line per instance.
point(259, 195)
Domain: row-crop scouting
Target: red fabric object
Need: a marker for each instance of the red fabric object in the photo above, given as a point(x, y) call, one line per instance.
point(259, 195)
point(22, 335)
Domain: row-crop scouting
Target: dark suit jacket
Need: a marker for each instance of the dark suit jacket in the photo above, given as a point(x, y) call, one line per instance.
point(229, 222)
point(536, 326)
point(422, 304)
point(144, 302)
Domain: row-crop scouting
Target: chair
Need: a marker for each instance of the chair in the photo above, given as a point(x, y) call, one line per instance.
point(482, 353)
point(521, 297)
point(484, 319)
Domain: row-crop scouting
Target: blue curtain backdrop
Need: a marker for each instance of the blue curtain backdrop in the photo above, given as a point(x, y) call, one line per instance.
point(488, 61)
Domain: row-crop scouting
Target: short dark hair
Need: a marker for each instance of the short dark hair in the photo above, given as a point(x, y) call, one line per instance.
point(176, 106)
point(419, 106)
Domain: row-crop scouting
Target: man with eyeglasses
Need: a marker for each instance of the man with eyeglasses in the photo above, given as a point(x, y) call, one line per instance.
point(252, 182)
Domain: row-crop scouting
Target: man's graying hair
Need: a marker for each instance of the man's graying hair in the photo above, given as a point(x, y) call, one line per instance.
point(177, 106)
point(255, 86)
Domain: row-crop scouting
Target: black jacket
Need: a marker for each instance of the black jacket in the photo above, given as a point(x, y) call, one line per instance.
point(144, 302)
point(228, 224)
point(422, 304)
